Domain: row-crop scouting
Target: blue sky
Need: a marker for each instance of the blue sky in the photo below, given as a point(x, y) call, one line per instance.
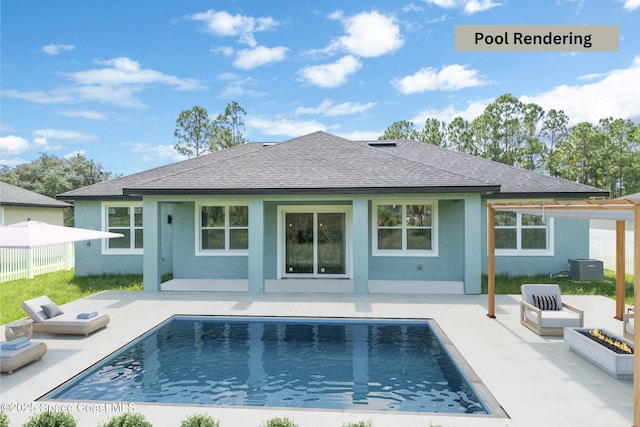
point(108, 79)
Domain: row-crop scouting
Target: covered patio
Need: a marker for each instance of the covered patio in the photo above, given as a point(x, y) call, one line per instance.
point(621, 210)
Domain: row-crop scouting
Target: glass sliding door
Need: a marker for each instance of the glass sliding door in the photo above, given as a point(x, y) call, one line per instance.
point(315, 244)
point(331, 243)
point(299, 243)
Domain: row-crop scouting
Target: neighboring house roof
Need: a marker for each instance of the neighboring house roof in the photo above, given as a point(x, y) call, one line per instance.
point(324, 163)
point(11, 195)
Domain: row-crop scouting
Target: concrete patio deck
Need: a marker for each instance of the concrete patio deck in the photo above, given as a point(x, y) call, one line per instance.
point(537, 380)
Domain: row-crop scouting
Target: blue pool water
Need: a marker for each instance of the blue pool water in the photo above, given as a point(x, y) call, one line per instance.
point(335, 364)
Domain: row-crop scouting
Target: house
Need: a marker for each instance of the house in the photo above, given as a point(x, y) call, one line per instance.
point(323, 213)
point(16, 204)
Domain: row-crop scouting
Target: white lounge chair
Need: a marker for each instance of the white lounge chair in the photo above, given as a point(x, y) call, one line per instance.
point(627, 326)
point(543, 311)
point(63, 323)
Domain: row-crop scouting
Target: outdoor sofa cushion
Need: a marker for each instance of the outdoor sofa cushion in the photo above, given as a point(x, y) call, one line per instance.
point(10, 360)
point(543, 316)
point(66, 323)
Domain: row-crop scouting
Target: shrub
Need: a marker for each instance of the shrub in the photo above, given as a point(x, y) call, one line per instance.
point(199, 420)
point(4, 420)
point(51, 419)
point(128, 419)
point(368, 423)
point(279, 422)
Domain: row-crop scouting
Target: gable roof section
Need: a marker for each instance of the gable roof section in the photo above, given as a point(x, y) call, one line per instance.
point(315, 163)
point(11, 195)
point(514, 182)
point(324, 163)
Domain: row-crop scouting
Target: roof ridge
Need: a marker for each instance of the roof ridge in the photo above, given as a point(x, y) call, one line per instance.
point(398, 155)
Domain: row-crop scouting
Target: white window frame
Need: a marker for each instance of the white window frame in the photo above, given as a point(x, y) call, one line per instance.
point(315, 209)
point(518, 251)
point(198, 230)
point(132, 250)
point(404, 252)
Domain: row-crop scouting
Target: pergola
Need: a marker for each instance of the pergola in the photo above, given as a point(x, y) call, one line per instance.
point(621, 210)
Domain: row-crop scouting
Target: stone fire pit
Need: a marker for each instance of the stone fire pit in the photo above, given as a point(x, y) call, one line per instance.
point(617, 365)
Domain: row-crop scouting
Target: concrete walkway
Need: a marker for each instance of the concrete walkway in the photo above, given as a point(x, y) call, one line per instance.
point(538, 381)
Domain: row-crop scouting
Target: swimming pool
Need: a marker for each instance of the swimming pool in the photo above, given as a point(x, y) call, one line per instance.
point(363, 364)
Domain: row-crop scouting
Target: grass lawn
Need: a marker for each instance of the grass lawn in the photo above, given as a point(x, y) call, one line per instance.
point(61, 287)
point(511, 285)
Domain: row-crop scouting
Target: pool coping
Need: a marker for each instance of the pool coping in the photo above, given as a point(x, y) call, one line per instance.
point(491, 404)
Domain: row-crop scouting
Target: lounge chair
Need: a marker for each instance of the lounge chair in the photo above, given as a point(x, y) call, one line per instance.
point(627, 326)
point(543, 311)
point(48, 318)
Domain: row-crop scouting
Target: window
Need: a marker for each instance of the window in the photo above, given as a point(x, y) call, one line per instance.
point(126, 220)
point(404, 228)
point(523, 234)
point(223, 229)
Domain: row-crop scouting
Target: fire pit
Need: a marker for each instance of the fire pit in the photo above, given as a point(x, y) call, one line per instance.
point(608, 351)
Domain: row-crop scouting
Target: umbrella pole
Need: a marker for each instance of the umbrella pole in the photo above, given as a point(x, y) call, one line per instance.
point(29, 263)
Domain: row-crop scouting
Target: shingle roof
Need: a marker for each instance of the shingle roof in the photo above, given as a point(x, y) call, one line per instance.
point(11, 195)
point(324, 163)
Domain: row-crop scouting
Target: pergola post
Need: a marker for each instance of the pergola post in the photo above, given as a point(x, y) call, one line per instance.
point(491, 267)
point(620, 268)
point(636, 302)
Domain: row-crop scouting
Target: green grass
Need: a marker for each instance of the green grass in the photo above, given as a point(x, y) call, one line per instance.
point(506, 284)
point(61, 287)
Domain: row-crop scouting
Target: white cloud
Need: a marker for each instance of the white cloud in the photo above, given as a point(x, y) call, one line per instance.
point(12, 145)
point(44, 139)
point(223, 24)
point(613, 95)
point(55, 49)
point(449, 78)
point(333, 74)
point(249, 59)
point(631, 4)
point(84, 114)
point(118, 83)
point(468, 6)
point(360, 135)
point(238, 86)
point(74, 154)
point(223, 50)
point(329, 108)
point(368, 34)
point(284, 127)
point(159, 154)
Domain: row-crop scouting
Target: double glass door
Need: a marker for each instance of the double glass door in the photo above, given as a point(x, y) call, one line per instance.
point(315, 244)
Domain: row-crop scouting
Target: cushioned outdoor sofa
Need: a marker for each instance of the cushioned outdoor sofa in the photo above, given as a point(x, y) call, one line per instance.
point(49, 318)
point(627, 326)
point(542, 310)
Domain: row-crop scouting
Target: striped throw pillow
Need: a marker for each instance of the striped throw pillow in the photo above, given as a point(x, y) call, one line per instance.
point(546, 302)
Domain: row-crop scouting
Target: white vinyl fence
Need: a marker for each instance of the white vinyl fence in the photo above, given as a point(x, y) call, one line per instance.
point(602, 246)
point(26, 263)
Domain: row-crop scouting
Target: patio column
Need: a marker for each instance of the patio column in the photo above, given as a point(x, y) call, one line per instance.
point(491, 267)
point(361, 248)
point(151, 243)
point(620, 268)
point(636, 302)
point(473, 244)
point(256, 246)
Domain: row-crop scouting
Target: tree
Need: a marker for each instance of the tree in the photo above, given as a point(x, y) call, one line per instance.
point(228, 128)
point(195, 132)
point(399, 130)
point(433, 132)
point(51, 175)
point(555, 130)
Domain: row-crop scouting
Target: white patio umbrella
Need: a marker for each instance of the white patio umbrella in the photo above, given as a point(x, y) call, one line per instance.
point(32, 234)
